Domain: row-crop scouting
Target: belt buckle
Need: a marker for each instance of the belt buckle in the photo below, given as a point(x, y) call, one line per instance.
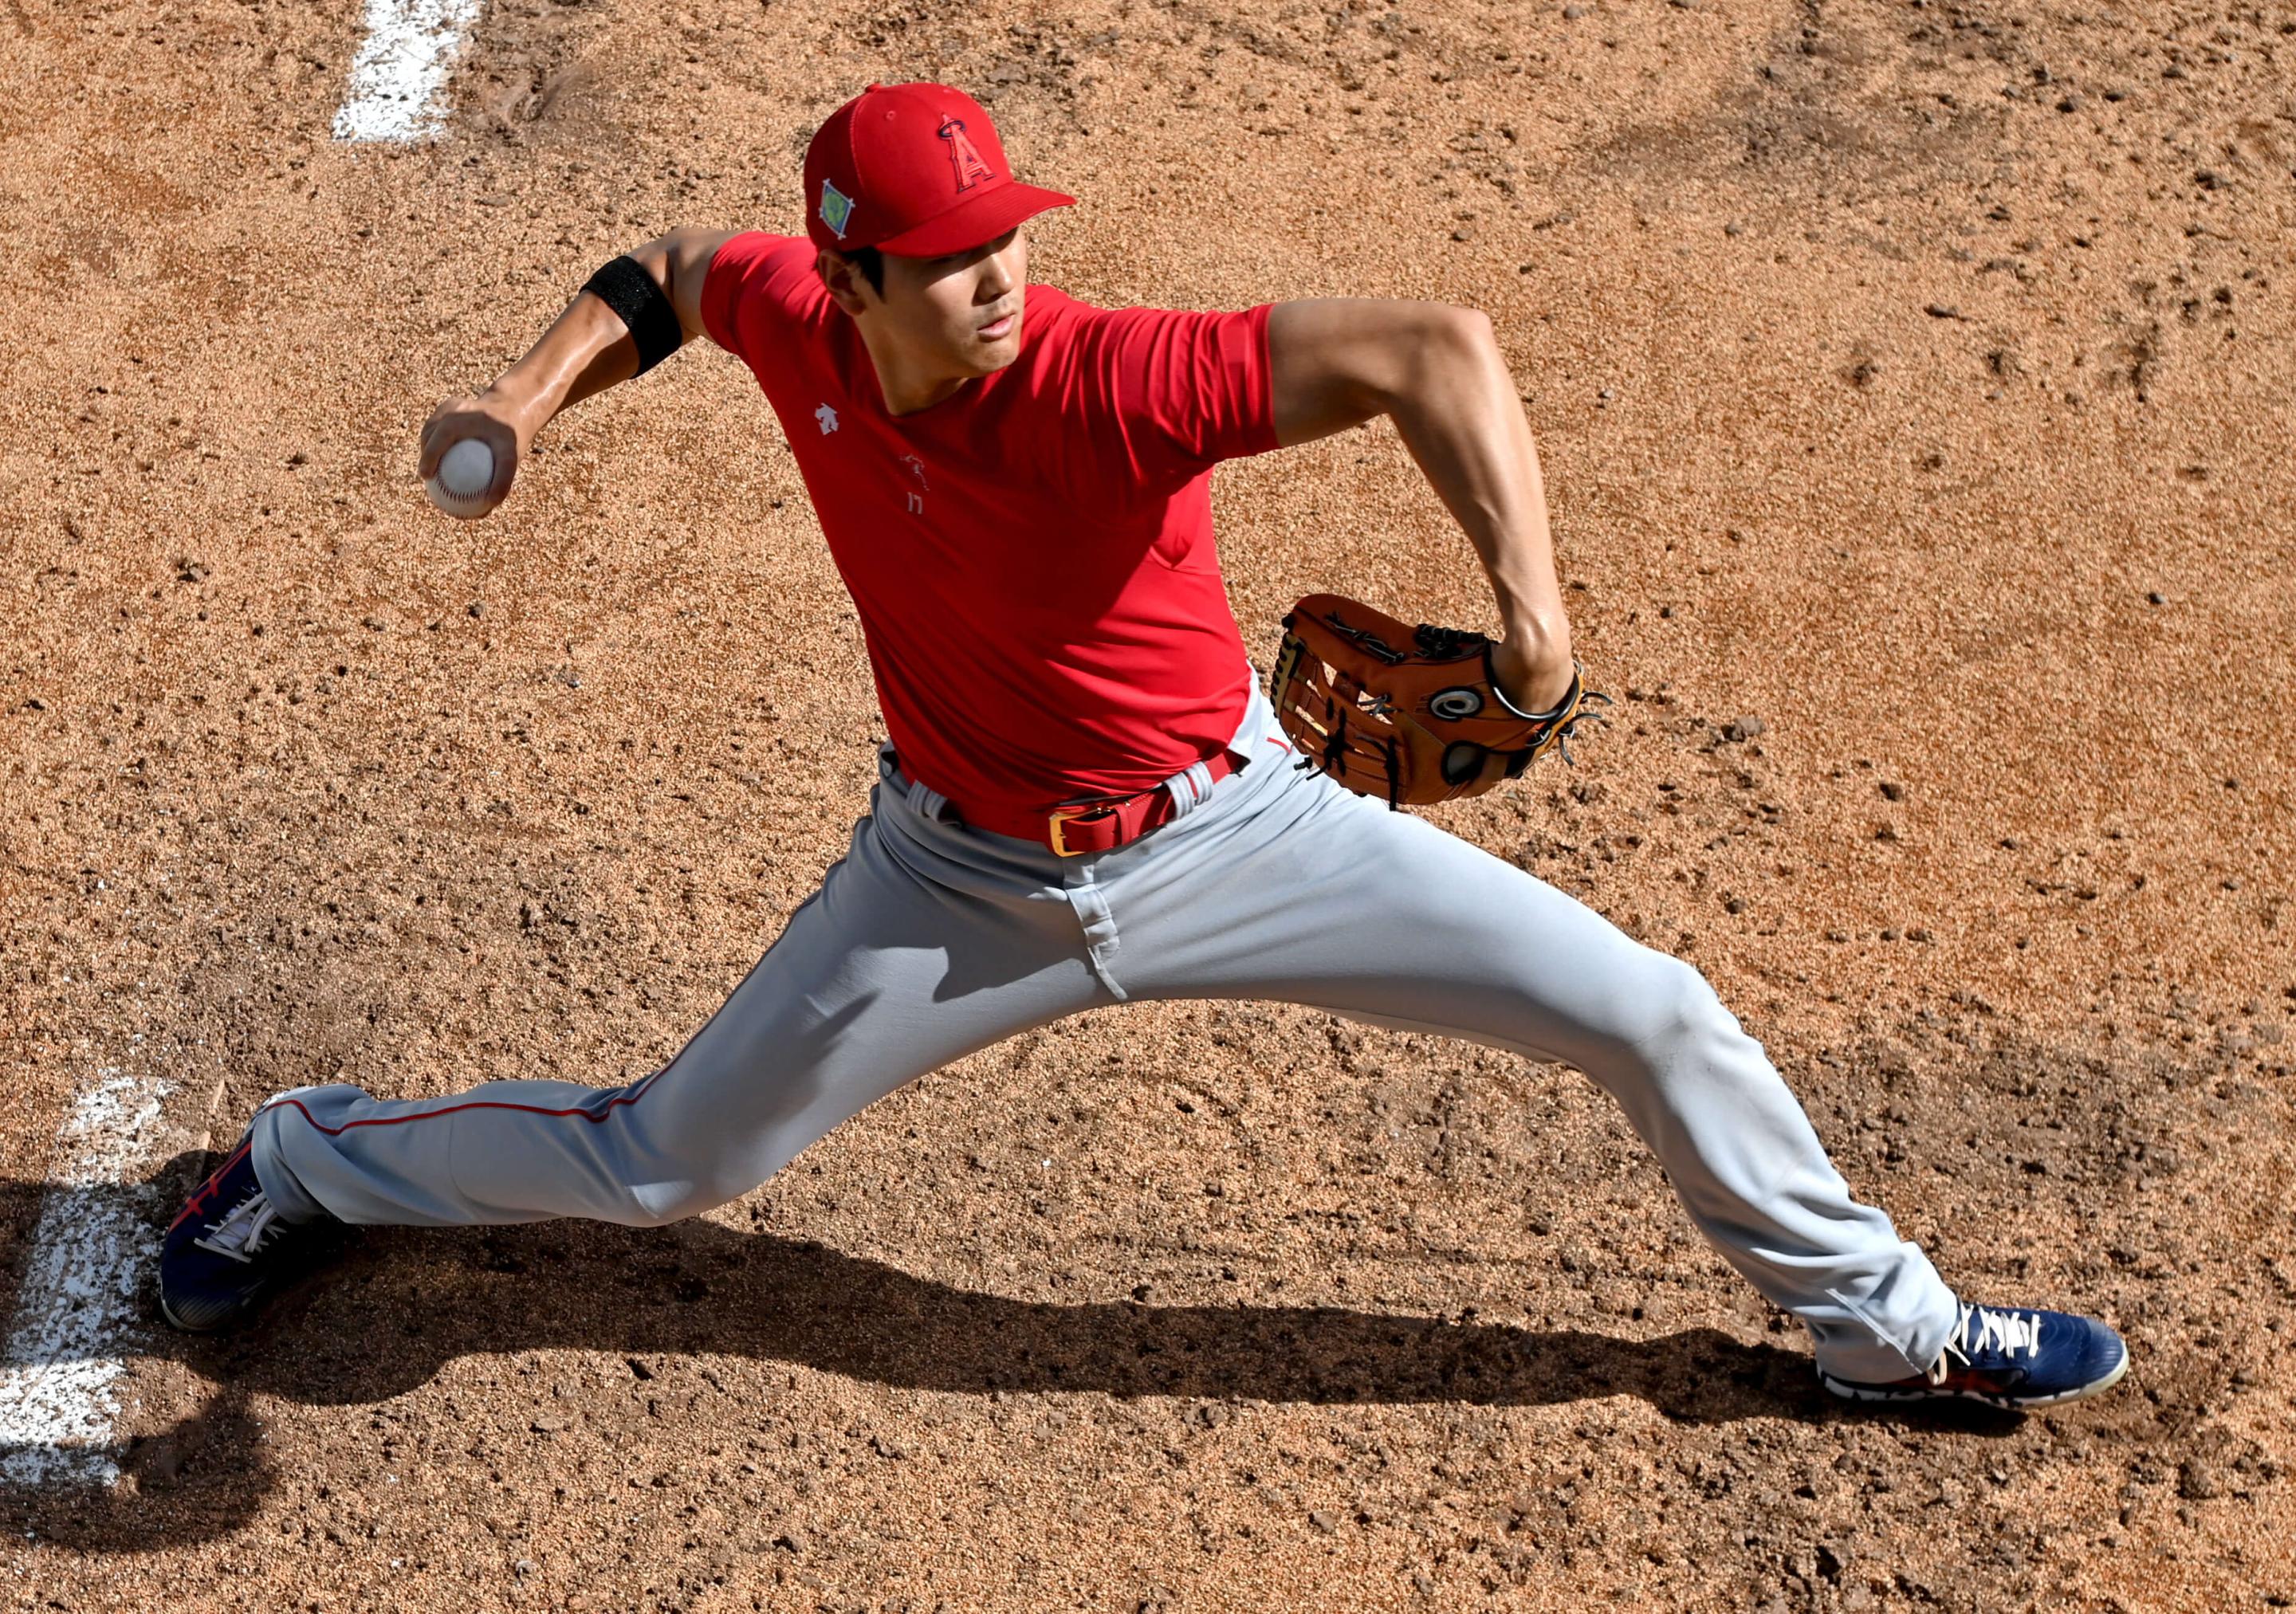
point(1061, 814)
point(1057, 820)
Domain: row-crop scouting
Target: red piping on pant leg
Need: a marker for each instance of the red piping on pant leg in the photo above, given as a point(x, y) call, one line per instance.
point(593, 1118)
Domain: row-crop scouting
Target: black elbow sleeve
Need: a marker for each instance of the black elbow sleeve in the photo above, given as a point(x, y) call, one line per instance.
point(644, 307)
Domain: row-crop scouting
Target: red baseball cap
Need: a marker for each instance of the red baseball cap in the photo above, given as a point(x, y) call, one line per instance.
point(917, 171)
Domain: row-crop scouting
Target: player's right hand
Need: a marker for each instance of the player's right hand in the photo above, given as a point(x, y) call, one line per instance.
point(490, 420)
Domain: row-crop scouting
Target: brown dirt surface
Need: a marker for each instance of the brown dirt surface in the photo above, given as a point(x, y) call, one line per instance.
point(1911, 381)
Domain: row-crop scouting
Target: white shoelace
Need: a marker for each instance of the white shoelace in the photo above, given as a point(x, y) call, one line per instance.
point(242, 1233)
point(1996, 1331)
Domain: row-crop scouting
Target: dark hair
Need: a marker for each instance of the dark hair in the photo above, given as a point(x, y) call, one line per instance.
point(870, 262)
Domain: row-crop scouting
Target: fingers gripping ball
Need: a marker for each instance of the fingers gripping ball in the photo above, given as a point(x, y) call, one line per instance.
point(1410, 714)
point(465, 471)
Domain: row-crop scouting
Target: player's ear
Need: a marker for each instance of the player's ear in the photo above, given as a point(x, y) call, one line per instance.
point(848, 287)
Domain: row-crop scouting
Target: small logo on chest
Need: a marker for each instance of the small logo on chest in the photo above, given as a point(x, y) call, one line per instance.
point(828, 418)
point(916, 468)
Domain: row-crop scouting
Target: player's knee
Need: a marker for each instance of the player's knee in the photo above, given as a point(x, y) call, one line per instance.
point(1673, 1009)
point(700, 1176)
point(693, 1194)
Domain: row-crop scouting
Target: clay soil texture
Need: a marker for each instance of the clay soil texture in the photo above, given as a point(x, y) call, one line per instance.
point(1911, 382)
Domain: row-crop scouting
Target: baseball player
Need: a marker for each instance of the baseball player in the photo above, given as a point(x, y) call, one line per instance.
point(1085, 797)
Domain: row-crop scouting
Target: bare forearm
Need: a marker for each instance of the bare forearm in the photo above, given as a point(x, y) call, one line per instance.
point(585, 351)
point(588, 348)
point(1458, 415)
point(1437, 370)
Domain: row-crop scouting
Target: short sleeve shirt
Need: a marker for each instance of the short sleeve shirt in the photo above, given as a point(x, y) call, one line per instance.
point(1031, 557)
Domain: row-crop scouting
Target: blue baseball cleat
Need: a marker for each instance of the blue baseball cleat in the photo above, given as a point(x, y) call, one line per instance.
point(227, 1250)
point(2009, 1356)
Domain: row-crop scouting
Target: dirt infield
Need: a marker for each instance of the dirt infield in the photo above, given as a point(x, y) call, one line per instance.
point(1913, 385)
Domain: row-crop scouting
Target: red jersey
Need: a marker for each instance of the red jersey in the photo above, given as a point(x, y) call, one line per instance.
point(1031, 557)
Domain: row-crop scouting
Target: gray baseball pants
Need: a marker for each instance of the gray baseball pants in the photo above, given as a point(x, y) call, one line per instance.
point(929, 940)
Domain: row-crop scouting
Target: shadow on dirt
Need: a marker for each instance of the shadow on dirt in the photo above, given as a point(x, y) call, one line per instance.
point(396, 1305)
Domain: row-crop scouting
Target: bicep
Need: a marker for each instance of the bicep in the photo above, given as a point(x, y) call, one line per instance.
point(691, 254)
point(679, 263)
point(1336, 361)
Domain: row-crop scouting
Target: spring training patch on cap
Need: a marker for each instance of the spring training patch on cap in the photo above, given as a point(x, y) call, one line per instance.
point(836, 208)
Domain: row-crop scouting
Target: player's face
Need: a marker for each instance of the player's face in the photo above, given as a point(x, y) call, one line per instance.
point(958, 316)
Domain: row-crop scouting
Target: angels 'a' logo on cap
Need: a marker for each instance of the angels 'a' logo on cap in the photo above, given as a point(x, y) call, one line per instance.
point(962, 156)
point(836, 209)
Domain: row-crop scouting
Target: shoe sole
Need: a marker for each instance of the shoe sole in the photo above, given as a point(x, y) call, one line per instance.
point(239, 1315)
point(177, 1324)
point(1869, 1394)
point(244, 1312)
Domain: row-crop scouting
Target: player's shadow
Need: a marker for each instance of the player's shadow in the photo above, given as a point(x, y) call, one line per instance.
point(398, 1304)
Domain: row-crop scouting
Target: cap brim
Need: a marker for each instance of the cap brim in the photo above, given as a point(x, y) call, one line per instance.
point(971, 222)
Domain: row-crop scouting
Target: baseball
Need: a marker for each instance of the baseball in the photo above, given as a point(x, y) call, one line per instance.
point(466, 471)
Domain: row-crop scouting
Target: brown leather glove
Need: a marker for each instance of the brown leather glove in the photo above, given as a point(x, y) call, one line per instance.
point(1409, 715)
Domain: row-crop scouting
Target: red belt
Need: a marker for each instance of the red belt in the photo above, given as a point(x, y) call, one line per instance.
point(1094, 824)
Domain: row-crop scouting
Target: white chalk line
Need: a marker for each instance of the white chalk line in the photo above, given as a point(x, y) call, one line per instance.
point(76, 1305)
point(400, 68)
